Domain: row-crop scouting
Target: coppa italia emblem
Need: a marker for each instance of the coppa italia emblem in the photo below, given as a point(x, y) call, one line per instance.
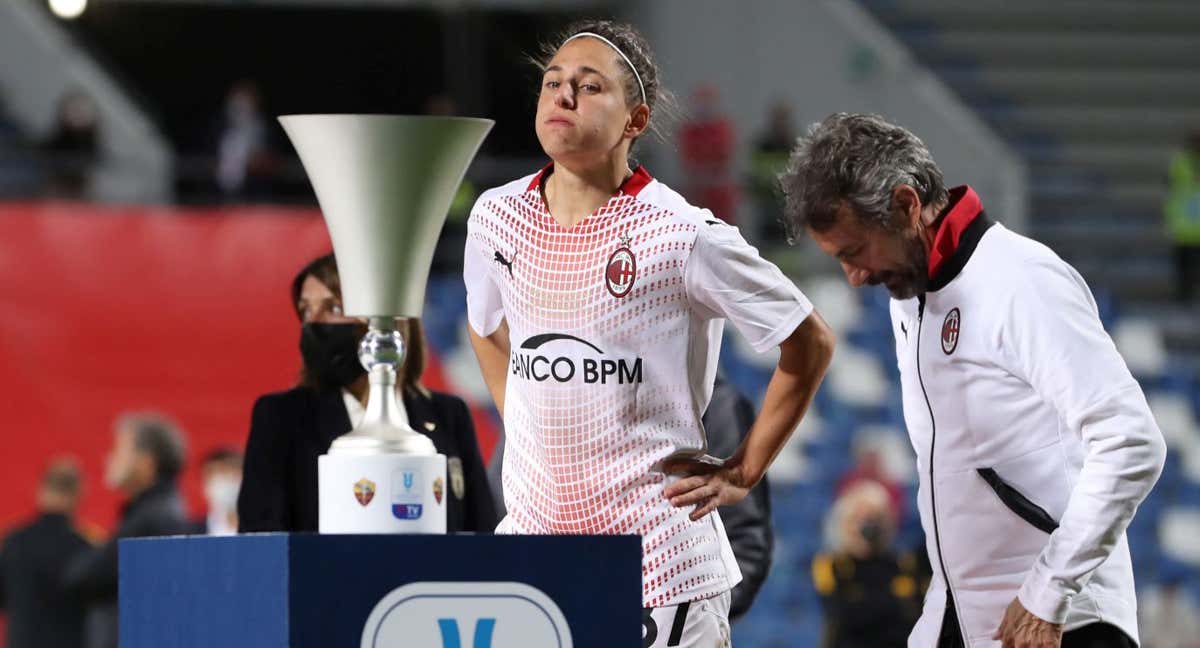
point(950, 331)
point(621, 270)
point(364, 491)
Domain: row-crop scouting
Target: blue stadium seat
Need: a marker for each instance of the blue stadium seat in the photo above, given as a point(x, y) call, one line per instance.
point(445, 311)
point(1106, 304)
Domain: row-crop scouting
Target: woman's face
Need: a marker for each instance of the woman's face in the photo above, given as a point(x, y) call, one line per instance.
point(319, 304)
point(582, 113)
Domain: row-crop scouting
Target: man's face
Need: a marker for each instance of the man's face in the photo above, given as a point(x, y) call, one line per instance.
point(123, 459)
point(872, 254)
point(222, 480)
point(221, 469)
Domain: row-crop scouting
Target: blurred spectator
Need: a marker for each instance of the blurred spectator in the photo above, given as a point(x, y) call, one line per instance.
point(871, 595)
point(144, 463)
point(1183, 216)
point(441, 105)
point(771, 150)
point(1168, 617)
point(707, 142)
point(41, 614)
point(72, 147)
point(245, 162)
point(221, 471)
point(870, 467)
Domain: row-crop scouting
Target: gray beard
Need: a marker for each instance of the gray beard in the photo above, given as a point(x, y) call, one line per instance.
point(913, 280)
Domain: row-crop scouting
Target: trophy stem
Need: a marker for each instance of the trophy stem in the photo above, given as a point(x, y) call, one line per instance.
point(384, 428)
point(383, 408)
point(382, 453)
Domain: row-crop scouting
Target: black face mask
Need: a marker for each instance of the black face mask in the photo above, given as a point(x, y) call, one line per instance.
point(874, 532)
point(330, 353)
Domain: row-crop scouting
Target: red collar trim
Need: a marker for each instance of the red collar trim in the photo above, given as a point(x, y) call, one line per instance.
point(632, 186)
point(964, 207)
point(537, 177)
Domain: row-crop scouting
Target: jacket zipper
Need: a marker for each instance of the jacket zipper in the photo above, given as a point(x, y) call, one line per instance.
point(937, 540)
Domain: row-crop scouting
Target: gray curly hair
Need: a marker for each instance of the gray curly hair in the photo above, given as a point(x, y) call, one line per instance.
point(856, 160)
point(160, 437)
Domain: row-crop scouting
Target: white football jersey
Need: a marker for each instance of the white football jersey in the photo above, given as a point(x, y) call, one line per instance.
point(615, 327)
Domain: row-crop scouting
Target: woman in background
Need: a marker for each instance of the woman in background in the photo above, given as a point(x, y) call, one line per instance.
point(290, 429)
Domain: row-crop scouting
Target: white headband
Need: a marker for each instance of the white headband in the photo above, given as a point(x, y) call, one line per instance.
point(618, 51)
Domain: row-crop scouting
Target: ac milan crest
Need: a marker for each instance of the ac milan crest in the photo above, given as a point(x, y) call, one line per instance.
point(950, 331)
point(621, 270)
point(364, 491)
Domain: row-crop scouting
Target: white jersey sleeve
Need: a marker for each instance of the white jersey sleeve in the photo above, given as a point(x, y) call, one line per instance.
point(485, 310)
point(726, 277)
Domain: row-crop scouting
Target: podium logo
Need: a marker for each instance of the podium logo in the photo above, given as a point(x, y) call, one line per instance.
point(466, 615)
point(406, 499)
point(483, 633)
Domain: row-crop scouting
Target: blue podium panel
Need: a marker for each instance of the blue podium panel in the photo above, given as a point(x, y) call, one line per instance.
point(381, 591)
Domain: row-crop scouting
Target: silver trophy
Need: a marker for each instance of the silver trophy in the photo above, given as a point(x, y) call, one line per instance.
point(385, 184)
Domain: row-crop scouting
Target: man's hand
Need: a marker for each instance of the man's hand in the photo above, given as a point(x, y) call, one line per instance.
point(1020, 629)
point(707, 484)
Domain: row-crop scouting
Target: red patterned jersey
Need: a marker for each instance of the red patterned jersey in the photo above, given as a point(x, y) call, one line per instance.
point(615, 327)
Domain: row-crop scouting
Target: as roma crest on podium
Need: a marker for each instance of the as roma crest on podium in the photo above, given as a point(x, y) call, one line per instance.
point(364, 491)
point(438, 489)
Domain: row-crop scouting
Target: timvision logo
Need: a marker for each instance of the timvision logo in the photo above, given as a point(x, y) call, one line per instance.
point(586, 364)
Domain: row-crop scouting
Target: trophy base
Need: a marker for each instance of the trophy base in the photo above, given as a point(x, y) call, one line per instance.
point(382, 493)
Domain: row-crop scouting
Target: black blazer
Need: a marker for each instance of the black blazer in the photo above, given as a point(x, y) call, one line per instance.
point(41, 613)
point(158, 511)
point(748, 524)
point(289, 430)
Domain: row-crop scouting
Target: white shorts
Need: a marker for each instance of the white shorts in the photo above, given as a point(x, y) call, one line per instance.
point(698, 624)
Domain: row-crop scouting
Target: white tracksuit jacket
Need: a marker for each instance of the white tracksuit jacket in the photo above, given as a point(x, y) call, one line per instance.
point(1034, 443)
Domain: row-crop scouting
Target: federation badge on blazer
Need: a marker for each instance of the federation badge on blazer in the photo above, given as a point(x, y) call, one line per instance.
point(438, 489)
point(950, 330)
point(364, 491)
point(621, 270)
point(458, 483)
